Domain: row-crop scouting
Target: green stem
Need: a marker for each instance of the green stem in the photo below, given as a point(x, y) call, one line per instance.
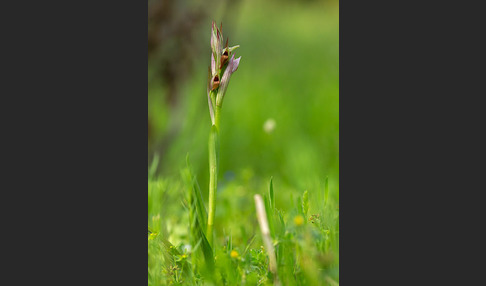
point(217, 116)
point(213, 173)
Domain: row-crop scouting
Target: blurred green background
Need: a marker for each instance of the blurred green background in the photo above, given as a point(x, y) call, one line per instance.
point(288, 74)
point(280, 120)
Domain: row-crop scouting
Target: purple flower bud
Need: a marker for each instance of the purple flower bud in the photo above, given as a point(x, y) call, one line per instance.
point(236, 63)
point(216, 44)
point(230, 69)
point(213, 66)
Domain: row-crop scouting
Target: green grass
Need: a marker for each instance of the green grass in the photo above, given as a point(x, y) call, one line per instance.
point(307, 250)
point(288, 72)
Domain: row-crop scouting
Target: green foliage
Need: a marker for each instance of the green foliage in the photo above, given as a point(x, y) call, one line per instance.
point(307, 253)
point(271, 195)
point(288, 73)
point(197, 220)
point(305, 204)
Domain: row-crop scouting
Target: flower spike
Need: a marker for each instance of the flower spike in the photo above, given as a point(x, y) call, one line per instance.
point(223, 65)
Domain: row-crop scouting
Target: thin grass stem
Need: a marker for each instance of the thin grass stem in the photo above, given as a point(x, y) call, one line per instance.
point(267, 239)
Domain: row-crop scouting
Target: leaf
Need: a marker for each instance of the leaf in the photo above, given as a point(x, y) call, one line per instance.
point(207, 251)
point(269, 214)
point(197, 217)
point(169, 251)
point(305, 203)
point(326, 190)
point(229, 244)
point(279, 224)
point(153, 166)
point(194, 195)
point(201, 208)
point(272, 195)
point(249, 244)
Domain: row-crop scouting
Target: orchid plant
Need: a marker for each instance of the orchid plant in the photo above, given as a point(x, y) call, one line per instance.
point(223, 65)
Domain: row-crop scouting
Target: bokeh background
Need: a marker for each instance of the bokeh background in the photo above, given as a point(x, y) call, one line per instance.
point(288, 76)
point(280, 120)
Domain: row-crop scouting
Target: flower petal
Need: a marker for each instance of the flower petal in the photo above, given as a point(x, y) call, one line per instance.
point(230, 69)
point(231, 49)
point(213, 66)
point(235, 65)
point(216, 43)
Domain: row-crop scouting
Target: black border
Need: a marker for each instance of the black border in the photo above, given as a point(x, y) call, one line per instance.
point(409, 120)
point(410, 211)
point(76, 81)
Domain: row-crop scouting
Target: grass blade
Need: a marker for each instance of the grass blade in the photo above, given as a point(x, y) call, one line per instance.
point(200, 207)
point(197, 218)
point(206, 250)
point(269, 213)
point(305, 203)
point(272, 195)
point(326, 190)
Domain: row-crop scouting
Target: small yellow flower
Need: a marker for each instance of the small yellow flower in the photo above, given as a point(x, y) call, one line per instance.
point(234, 254)
point(152, 235)
point(299, 220)
point(184, 256)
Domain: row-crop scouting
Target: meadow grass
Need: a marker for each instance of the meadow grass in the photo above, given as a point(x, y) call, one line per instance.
point(288, 73)
point(304, 230)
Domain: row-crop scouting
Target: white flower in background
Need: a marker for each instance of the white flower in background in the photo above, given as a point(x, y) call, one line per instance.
point(269, 125)
point(187, 248)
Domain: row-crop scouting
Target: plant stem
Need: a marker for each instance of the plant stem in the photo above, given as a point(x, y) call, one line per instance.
point(217, 116)
point(213, 173)
point(267, 239)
